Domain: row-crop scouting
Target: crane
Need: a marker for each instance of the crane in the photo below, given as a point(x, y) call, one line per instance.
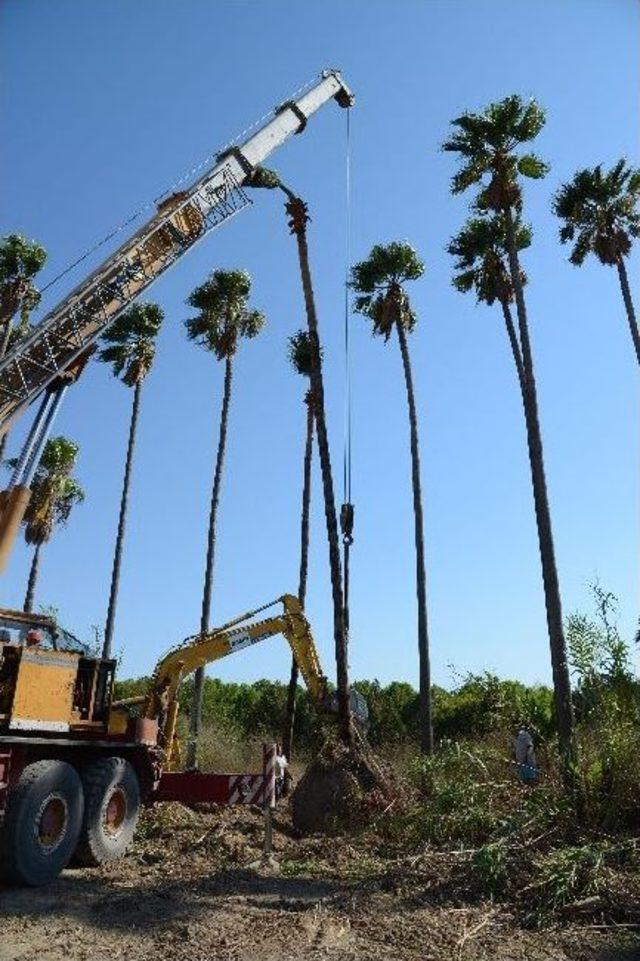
point(52, 356)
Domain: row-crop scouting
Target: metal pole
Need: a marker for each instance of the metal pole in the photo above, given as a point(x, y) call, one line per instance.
point(30, 441)
point(36, 454)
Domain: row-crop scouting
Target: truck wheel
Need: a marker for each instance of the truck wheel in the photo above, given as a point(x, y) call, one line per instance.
point(42, 823)
point(111, 809)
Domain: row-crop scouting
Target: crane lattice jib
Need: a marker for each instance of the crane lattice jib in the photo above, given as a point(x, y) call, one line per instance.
point(183, 219)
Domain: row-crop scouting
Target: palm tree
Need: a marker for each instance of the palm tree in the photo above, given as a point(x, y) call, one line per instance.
point(487, 144)
point(298, 218)
point(600, 214)
point(223, 318)
point(480, 249)
point(382, 298)
point(300, 353)
point(20, 261)
point(54, 492)
point(130, 349)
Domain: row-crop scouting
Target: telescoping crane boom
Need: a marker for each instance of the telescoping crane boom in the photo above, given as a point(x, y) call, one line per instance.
point(45, 361)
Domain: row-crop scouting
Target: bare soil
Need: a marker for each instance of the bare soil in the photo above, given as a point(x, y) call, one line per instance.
point(193, 888)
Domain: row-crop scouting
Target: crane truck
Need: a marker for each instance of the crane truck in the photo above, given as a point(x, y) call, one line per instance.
point(76, 765)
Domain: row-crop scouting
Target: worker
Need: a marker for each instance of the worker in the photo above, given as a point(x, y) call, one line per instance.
point(283, 775)
point(524, 754)
point(33, 638)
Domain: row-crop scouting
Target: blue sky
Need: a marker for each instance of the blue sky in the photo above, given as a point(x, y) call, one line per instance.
point(106, 102)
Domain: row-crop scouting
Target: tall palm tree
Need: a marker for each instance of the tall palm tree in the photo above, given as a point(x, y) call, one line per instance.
point(379, 280)
point(20, 261)
point(487, 144)
point(600, 213)
point(223, 319)
point(130, 347)
point(54, 492)
point(298, 218)
point(481, 254)
point(300, 353)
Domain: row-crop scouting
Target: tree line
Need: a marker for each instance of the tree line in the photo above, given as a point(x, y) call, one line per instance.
point(598, 214)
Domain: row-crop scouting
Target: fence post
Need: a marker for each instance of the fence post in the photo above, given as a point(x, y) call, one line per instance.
point(269, 754)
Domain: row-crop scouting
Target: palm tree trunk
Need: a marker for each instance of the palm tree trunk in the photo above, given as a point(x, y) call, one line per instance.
point(287, 740)
point(122, 523)
point(628, 303)
point(297, 212)
point(555, 627)
point(31, 583)
point(425, 709)
point(198, 681)
point(515, 345)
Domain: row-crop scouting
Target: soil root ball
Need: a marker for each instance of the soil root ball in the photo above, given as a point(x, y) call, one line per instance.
point(342, 788)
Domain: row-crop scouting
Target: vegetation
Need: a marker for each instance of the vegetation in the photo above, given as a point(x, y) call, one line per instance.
point(600, 215)
point(20, 261)
point(223, 319)
point(130, 346)
point(488, 147)
point(54, 493)
point(379, 282)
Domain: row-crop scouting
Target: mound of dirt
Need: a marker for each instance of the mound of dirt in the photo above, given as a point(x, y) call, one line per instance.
point(343, 788)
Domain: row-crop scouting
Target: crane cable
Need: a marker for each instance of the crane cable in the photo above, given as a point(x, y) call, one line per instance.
point(347, 509)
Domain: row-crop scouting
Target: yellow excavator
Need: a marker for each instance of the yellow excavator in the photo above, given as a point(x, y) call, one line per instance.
point(76, 766)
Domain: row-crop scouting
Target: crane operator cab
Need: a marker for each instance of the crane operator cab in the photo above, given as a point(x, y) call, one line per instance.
point(49, 680)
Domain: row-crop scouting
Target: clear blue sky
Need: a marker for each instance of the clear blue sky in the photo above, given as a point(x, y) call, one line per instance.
point(104, 103)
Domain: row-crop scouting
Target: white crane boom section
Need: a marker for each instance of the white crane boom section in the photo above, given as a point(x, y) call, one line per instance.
point(181, 220)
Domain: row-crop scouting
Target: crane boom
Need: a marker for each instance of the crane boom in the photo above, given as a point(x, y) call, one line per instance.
point(181, 220)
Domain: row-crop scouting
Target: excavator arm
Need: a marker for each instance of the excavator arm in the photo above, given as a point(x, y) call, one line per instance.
point(161, 701)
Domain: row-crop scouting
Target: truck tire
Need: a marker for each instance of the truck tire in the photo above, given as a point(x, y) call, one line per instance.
point(42, 823)
point(111, 809)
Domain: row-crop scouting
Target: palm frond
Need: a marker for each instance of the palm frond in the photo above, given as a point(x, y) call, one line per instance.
point(131, 342)
point(601, 208)
point(486, 143)
point(224, 316)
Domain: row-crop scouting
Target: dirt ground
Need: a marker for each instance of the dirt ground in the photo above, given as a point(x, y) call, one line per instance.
point(192, 888)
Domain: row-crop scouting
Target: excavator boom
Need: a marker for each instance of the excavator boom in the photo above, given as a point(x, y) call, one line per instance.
point(161, 700)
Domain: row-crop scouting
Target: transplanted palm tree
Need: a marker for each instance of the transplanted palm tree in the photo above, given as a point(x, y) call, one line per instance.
point(130, 347)
point(487, 144)
point(223, 319)
point(600, 213)
point(20, 261)
point(54, 492)
point(300, 353)
point(379, 280)
point(298, 218)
